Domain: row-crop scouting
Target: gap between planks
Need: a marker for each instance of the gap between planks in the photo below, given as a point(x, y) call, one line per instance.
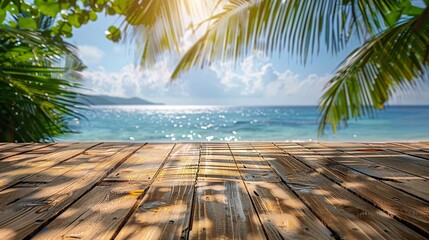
point(338, 208)
point(253, 174)
point(121, 191)
point(25, 217)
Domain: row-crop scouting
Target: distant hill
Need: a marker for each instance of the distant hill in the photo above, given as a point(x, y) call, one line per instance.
point(109, 100)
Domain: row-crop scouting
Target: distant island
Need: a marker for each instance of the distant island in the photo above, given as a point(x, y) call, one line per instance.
point(109, 100)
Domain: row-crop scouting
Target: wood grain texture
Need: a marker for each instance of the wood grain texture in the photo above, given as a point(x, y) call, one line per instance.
point(404, 181)
point(24, 217)
point(13, 174)
point(421, 146)
point(405, 207)
point(82, 161)
point(252, 167)
point(10, 146)
point(223, 208)
point(21, 150)
point(242, 190)
point(101, 211)
point(21, 160)
point(23, 188)
point(97, 215)
point(142, 165)
point(165, 211)
point(281, 213)
point(346, 214)
point(421, 152)
point(402, 162)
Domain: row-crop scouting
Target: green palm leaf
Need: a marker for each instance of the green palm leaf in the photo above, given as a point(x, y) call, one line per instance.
point(159, 26)
point(394, 60)
point(38, 82)
point(299, 27)
point(36, 102)
point(393, 33)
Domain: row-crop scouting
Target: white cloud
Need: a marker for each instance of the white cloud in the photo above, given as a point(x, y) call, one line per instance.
point(256, 77)
point(247, 79)
point(90, 54)
point(130, 81)
point(152, 83)
point(254, 82)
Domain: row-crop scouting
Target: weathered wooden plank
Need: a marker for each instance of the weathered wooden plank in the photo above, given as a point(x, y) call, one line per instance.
point(32, 183)
point(21, 150)
point(53, 148)
point(414, 148)
point(286, 146)
point(216, 151)
point(243, 149)
point(100, 212)
point(24, 217)
point(268, 149)
point(251, 166)
point(80, 162)
point(402, 206)
point(9, 146)
point(404, 148)
point(343, 212)
point(17, 172)
point(20, 161)
point(406, 163)
point(96, 215)
point(415, 153)
point(407, 182)
point(282, 214)
point(13, 194)
point(223, 208)
point(83, 161)
point(23, 158)
point(143, 165)
point(165, 211)
point(423, 146)
point(73, 198)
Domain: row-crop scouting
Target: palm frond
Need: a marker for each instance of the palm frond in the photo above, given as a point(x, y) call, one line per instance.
point(299, 27)
point(36, 102)
point(394, 60)
point(393, 33)
point(51, 48)
point(159, 26)
point(38, 83)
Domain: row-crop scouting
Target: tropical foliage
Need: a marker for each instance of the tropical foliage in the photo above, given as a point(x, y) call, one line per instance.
point(37, 84)
point(393, 55)
point(38, 70)
point(38, 78)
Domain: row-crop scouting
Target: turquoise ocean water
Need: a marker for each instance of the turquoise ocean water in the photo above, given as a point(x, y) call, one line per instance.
point(224, 123)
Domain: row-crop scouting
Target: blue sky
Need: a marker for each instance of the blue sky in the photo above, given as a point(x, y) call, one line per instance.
point(258, 80)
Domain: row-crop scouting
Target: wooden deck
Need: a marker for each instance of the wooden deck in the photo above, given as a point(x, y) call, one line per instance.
point(214, 190)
